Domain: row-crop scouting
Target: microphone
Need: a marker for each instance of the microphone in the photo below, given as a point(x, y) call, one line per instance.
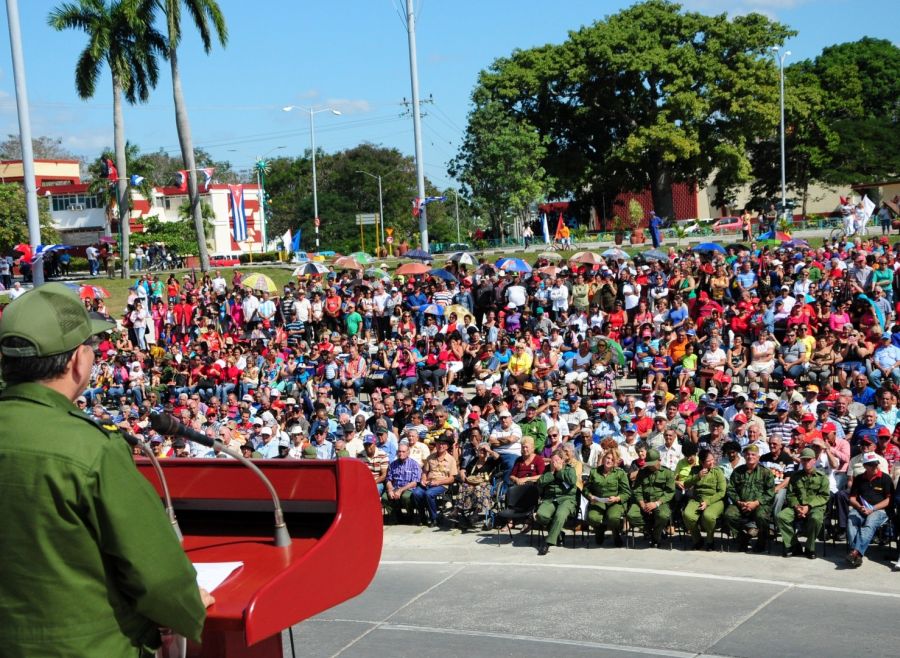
point(148, 453)
point(167, 425)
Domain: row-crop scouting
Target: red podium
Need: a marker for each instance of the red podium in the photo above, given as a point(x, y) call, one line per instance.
point(333, 513)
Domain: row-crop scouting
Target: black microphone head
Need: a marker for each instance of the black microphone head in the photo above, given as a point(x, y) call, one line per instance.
point(164, 424)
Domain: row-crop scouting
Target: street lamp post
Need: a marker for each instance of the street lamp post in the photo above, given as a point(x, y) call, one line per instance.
point(380, 201)
point(312, 138)
point(780, 59)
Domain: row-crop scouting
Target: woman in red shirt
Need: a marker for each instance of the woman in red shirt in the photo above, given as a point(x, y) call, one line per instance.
point(530, 466)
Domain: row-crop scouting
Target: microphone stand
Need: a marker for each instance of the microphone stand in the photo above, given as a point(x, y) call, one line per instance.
point(148, 453)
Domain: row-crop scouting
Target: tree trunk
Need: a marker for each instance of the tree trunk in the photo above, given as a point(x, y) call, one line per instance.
point(122, 183)
point(661, 189)
point(183, 125)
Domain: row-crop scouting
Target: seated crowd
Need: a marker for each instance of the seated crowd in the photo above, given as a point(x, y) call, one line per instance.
point(763, 402)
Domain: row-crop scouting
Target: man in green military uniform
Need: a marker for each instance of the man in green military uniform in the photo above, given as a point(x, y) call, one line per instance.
point(653, 490)
point(91, 566)
point(534, 426)
point(807, 495)
point(558, 488)
point(751, 490)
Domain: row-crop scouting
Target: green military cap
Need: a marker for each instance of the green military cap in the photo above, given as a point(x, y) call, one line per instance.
point(51, 318)
point(309, 452)
point(752, 448)
point(807, 453)
point(652, 457)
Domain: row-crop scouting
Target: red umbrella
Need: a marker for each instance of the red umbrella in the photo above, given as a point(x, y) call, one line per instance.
point(25, 250)
point(413, 269)
point(93, 292)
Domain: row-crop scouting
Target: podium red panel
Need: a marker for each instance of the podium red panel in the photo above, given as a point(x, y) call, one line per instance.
point(333, 513)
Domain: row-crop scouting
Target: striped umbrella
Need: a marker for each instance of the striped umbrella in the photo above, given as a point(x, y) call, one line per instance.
point(310, 268)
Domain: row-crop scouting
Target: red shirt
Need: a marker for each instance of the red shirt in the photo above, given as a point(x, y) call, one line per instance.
point(522, 470)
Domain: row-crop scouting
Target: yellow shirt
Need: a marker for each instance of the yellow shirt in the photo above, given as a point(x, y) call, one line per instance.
point(520, 364)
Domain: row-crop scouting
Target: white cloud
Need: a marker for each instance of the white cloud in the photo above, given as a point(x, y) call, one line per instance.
point(739, 7)
point(88, 143)
point(349, 106)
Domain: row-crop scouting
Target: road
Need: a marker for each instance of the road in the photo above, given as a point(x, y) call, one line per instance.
point(441, 593)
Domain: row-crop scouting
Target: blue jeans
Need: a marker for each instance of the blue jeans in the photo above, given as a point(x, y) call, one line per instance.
point(507, 461)
point(793, 371)
point(861, 529)
point(427, 497)
point(876, 377)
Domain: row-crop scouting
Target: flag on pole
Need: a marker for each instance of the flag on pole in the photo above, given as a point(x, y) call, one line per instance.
point(207, 175)
point(560, 224)
point(417, 206)
point(295, 243)
point(286, 240)
point(545, 228)
point(181, 179)
point(429, 199)
point(868, 206)
point(136, 180)
point(108, 170)
point(238, 212)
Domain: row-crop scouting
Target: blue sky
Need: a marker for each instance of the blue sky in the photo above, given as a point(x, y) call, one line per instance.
point(351, 55)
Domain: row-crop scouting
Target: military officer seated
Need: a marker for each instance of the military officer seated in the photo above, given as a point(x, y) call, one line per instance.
point(751, 490)
point(558, 487)
point(653, 490)
point(807, 496)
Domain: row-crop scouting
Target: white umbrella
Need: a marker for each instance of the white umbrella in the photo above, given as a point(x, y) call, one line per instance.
point(462, 257)
point(310, 268)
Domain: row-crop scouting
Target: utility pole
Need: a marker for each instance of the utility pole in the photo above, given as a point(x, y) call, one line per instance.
point(31, 203)
point(456, 207)
point(417, 122)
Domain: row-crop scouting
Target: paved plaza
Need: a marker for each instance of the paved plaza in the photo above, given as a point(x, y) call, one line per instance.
point(443, 593)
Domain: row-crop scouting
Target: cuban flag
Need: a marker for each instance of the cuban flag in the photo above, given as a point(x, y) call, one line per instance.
point(429, 199)
point(417, 206)
point(181, 179)
point(238, 212)
point(207, 175)
point(136, 180)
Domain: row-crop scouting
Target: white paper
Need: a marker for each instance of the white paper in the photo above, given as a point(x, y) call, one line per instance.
point(212, 574)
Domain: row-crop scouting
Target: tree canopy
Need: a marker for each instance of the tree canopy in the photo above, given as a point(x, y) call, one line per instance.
point(14, 218)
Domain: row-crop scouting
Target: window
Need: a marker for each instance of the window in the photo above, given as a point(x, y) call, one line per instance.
point(74, 202)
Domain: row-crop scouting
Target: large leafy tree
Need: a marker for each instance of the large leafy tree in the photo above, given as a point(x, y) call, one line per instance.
point(13, 218)
point(209, 21)
point(646, 97)
point(120, 36)
point(44, 148)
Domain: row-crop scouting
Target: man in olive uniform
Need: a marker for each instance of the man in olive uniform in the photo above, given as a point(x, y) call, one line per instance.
point(91, 566)
point(751, 490)
point(558, 490)
point(653, 488)
point(534, 426)
point(807, 496)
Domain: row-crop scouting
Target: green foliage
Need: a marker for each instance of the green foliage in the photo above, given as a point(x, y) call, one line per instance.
point(178, 236)
point(44, 148)
point(257, 257)
point(14, 218)
point(646, 97)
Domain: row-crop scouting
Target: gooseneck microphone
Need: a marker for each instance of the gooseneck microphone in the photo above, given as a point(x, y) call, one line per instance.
point(168, 426)
point(148, 453)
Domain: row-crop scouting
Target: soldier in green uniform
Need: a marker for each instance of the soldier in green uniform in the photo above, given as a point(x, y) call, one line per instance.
point(534, 426)
point(807, 496)
point(91, 566)
point(751, 490)
point(653, 489)
point(607, 491)
point(707, 485)
point(558, 488)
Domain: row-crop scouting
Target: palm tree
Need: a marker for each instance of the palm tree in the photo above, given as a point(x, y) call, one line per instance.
point(119, 35)
point(206, 16)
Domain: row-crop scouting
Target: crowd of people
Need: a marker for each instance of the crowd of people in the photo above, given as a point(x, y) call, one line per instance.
point(763, 402)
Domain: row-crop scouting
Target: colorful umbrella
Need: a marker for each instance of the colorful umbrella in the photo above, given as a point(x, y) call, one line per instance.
point(442, 274)
point(310, 268)
point(797, 243)
point(460, 310)
point(347, 263)
point(709, 246)
point(93, 292)
point(655, 254)
point(361, 257)
point(776, 235)
point(738, 246)
point(549, 270)
point(433, 309)
point(418, 254)
point(514, 265)
point(614, 253)
point(257, 281)
point(412, 269)
point(377, 273)
point(590, 258)
point(550, 255)
point(462, 257)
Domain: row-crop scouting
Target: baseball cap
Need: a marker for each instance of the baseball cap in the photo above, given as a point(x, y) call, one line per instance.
point(870, 458)
point(640, 404)
point(631, 428)
point(740, 418)
point(812, 388)
point(284, 443)
point(868, 439)
point(473, 416)
point(751, 447)
point(807, 418)
point(368, 440)
point(266, 430)
point(883, 431)
point(505, 414)
point(829, 427)
point(788, 382)
point(652, 457)
point(51, 319)
point(807, 453)
point(712, 390)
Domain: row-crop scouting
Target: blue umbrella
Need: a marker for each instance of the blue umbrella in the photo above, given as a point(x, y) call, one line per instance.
point(615, 253)
point(797, 243)
point(442, 274)
point(710, 246)
point(418, 254)
point(433, 309)
point(514, 265)
point(655, 254)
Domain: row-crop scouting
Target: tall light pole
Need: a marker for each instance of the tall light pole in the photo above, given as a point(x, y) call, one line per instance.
point(380, 202)
point(312, 138)
point(261, 167)
point(456, 208)
point(780, 60)
point(417, 122)
point(31, 204)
